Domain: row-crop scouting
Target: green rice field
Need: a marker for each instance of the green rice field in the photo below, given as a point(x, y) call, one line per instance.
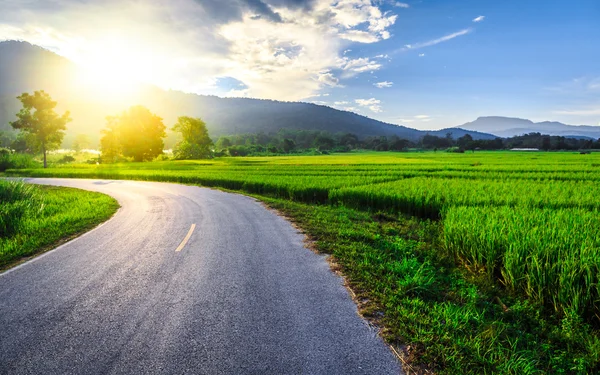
point(520, 227)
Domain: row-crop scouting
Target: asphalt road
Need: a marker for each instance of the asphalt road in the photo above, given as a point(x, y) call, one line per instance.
point(241, 296)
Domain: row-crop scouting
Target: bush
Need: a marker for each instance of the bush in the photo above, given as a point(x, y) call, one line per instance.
point(66, 159)
point(238, 150)
point(162, 157)
point(17, 200)
point(457, 150)
point(11, 160)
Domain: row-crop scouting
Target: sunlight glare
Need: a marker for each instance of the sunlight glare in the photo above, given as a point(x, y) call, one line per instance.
point(114, 69)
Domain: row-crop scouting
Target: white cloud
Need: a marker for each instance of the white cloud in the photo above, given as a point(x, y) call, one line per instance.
point(401, 5)
point(479, 19)
point(417, 118)
point(433, 42)
point(328, 79)
point(421, 55)
point(278, 50)
point(383, 84)
point(373, 104)
point(360, 36)
point(361, 65)
point(355, 14)
point(341, 103)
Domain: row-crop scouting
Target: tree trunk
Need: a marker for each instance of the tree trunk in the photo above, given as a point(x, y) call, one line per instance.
point(44, 151)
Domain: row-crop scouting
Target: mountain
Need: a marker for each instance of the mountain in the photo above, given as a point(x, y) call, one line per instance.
point(510, 127)
point(25, 68)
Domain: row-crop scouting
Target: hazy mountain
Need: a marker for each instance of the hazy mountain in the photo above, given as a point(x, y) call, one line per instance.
point(510, 127)
point(25, 68)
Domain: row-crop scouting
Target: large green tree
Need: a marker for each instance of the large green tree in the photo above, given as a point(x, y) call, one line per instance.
point(196, 142)
point(137, 133)
point(44, 128)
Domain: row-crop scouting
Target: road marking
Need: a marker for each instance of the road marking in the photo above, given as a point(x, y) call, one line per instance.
point(187, 237)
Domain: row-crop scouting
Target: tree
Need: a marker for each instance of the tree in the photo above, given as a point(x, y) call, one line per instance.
point(223, 143)
point(109, 143)
point(465, 142)
point(196, 142)
point(350, 140)
point(324, 143)
point(5, 139)
point(137, 133)
point(81, 142)
point(44, 127)
point(288, 145)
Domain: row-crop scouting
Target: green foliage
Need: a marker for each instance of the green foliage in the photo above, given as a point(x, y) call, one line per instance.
point(38, 119)
point(17, 200)
point(136, 133)
point(65, 212)
point(11, 160)
point(222, 143)
point(66, 159)
point(21, 143)
point(110, 143)
point(196, 142)
point(5, 139)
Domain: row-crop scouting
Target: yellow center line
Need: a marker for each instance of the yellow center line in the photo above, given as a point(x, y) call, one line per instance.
point(187, 237)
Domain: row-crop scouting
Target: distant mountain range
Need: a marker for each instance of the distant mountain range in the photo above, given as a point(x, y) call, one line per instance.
point(25, 68)
point(509, 127)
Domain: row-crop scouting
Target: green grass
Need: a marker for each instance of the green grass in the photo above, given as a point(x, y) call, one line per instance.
point(47, 216)
point(483, 262)
point(451, 321)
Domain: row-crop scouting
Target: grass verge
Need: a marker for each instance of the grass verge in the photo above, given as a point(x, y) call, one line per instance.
point(61, 214)
point(441, 317)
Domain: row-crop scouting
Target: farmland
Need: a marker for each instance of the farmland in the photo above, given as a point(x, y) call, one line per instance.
point(477, 262)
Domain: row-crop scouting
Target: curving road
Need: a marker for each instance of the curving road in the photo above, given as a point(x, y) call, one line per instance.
point(241, 296)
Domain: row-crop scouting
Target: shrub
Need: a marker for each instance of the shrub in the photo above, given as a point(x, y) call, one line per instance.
point(11, 160)
point(66, 159)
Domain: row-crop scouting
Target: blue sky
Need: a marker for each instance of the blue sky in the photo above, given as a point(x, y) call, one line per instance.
point(424, 64)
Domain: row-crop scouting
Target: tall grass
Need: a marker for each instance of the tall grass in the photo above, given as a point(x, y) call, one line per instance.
point(551, 256)
point(17, 201)
point(17, 161)
point(30, 226)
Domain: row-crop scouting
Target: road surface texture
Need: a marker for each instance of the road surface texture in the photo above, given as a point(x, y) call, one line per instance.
point(241, 296)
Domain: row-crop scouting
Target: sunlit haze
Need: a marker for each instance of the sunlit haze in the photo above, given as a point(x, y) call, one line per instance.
point(423, 64)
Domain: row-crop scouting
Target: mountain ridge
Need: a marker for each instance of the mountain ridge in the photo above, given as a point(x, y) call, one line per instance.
point(25, 67)
point(513, 126)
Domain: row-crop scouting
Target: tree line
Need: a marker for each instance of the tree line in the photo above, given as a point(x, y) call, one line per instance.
point(288, 141)
point(138, 134)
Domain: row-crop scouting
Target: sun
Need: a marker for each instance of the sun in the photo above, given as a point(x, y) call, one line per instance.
point(113, 69)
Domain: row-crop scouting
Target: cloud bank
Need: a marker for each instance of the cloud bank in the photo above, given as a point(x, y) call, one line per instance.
point(282, 49)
